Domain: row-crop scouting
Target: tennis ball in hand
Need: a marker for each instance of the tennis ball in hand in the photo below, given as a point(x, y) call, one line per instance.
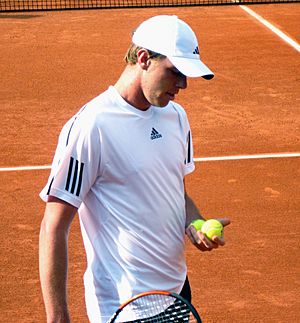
point(212, 228)
point(197, 224)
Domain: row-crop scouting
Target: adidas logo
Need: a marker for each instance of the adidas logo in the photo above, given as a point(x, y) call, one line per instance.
point(155, 134)
point(196, 51)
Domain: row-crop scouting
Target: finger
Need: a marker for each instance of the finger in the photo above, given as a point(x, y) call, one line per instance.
point(224, 221)
point(192, 234)
point(201, 241)
point(220, 241)
point(209, 244)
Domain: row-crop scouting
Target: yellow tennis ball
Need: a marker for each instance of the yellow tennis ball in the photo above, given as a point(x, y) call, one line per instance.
point(212, 228)
point(197, 224)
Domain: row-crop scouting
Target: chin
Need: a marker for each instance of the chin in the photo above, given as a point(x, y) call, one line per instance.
point(161, 103)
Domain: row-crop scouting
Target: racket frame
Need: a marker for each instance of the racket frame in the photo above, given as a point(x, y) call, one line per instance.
point(156, 292)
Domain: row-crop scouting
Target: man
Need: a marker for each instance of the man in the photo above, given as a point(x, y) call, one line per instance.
point(121, 162)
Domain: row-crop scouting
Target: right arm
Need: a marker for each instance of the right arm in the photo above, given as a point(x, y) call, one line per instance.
point(53, 258)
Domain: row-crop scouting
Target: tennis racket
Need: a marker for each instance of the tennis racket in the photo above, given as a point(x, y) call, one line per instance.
point(156, 306)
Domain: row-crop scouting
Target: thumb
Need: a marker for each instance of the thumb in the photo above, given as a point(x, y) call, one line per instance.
point(224, 221)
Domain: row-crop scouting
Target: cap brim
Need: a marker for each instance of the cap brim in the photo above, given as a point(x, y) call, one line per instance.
point(192, 67)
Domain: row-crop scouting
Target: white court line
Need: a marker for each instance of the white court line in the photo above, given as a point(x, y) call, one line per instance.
point(277, 31)
point(13, 169)
point(240, 157)
point(201, 159)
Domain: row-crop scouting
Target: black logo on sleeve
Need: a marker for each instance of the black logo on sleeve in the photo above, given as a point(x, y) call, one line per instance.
point(74, 179)
point(155, 134)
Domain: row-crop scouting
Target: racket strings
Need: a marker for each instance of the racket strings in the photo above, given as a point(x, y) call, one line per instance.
point(156, 309)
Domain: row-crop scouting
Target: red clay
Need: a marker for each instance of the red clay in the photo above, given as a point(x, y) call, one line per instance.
point(53, 62)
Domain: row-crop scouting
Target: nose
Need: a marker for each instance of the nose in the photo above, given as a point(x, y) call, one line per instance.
point(182, 81)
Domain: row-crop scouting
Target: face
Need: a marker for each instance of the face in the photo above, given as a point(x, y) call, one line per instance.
point(161, 81)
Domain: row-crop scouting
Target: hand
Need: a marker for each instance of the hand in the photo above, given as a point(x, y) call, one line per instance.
point(200, 241)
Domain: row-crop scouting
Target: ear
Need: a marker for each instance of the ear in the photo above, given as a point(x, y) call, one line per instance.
point(143, 58)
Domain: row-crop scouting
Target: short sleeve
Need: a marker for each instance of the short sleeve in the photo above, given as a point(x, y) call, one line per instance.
point(76, 162)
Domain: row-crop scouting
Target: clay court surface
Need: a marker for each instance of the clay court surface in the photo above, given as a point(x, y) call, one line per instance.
point(51, 63)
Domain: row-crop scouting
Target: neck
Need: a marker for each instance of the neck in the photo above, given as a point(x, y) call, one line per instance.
point(129, 87)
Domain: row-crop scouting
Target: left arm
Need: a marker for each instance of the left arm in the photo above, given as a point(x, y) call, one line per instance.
point(197, 238)
point(191, 210)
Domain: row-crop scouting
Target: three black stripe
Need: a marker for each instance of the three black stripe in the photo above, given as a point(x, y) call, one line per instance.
point(74, 179)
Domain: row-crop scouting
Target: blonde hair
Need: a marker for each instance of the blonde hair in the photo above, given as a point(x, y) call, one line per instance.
point(131, 54)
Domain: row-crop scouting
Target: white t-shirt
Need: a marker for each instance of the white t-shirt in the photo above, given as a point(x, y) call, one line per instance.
point(124, 169)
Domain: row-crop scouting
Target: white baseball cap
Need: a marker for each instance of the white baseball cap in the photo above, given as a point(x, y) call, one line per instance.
point(172, 37)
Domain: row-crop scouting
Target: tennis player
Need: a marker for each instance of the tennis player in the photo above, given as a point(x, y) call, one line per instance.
point(121, 163)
